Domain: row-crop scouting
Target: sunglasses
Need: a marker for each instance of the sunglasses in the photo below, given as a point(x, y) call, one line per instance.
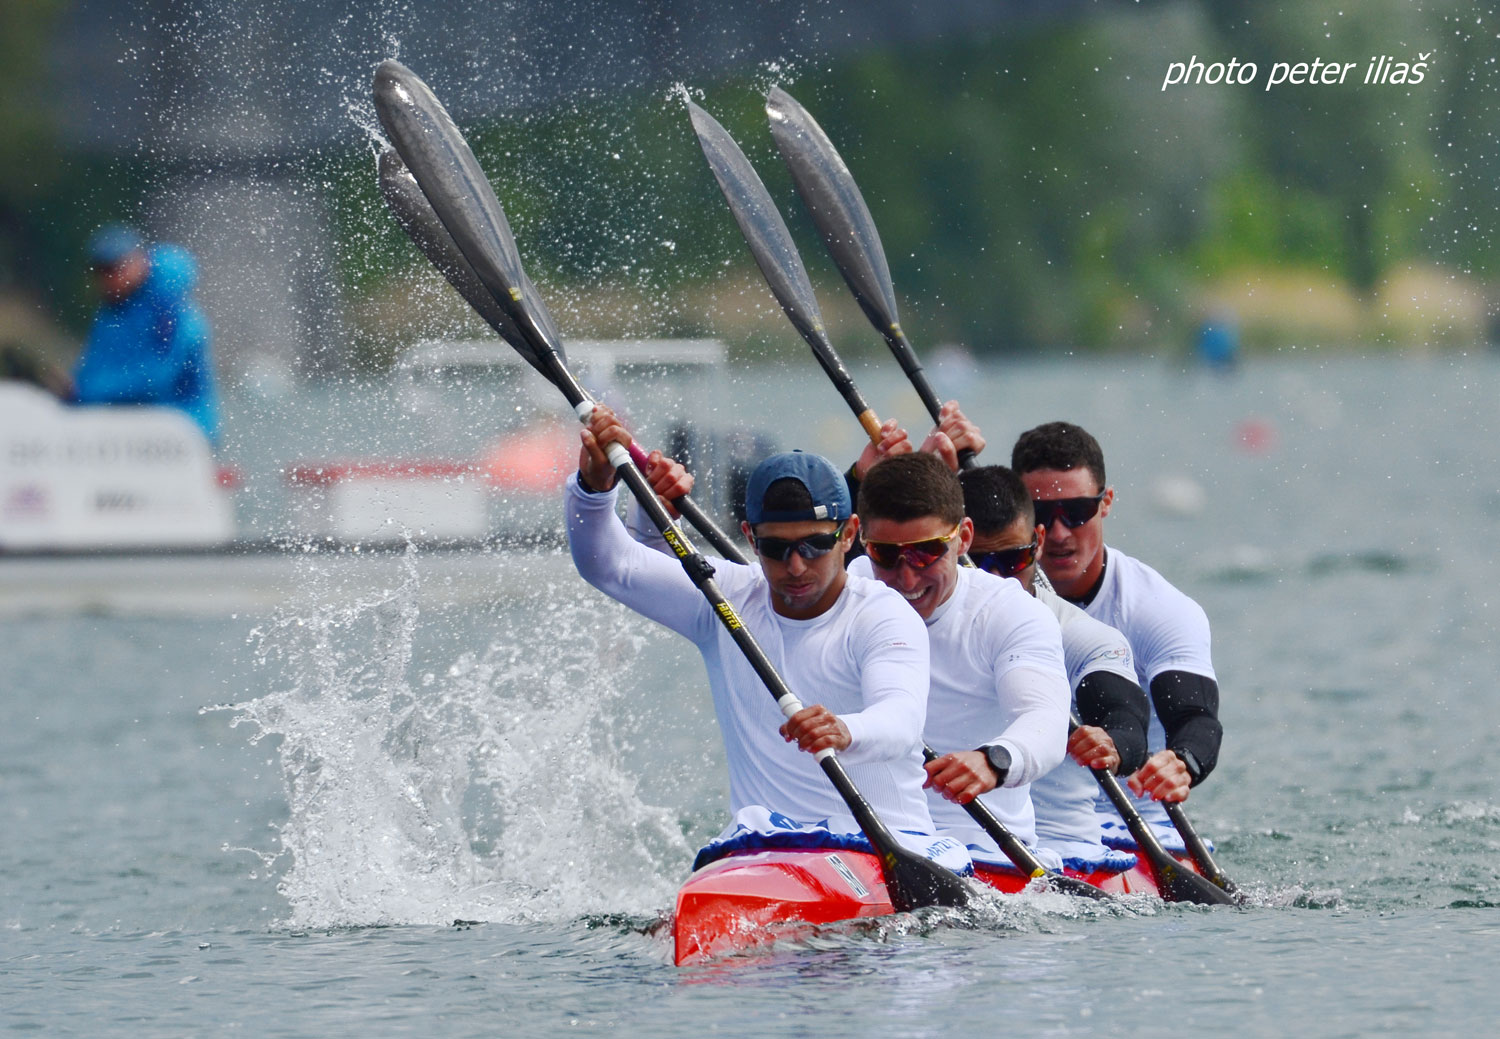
point(1007, 562)
point(814, 546)
point(916, 554)
point(1074, 512)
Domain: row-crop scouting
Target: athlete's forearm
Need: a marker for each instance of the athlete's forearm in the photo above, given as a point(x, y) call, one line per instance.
point(649, 582)
point(1037, 736)
point(1188, 706)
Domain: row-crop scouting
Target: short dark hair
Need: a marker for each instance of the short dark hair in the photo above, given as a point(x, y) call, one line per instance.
point(994, 497)
point(908, 487)
point(1058, 445)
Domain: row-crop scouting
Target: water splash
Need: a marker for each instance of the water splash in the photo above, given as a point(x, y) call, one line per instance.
point(491, 791)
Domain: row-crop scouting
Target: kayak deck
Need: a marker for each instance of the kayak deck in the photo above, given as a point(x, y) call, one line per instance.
point(749, 899)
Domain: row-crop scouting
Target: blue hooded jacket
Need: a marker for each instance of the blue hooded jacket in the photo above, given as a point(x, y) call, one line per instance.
point(153, 346)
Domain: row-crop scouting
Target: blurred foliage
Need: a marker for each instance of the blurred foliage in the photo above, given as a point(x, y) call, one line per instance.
point(1036, 189)
point(30, 147)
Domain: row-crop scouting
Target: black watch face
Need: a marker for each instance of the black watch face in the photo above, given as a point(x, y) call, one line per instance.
point(999, 759)
point(1191, 761)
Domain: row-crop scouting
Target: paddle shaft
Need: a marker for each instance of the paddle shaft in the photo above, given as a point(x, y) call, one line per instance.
point(1176, 883)
point(1015, 849)
point(1198, 848)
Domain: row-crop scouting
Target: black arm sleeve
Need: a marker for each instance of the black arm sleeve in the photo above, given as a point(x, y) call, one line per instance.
point(1119, 707)
point(1188, 706)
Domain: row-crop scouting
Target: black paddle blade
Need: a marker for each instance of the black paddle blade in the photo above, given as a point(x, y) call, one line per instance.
point(838, 209)
point(914, 882)
point(1180, 884)
point(1198, 849)
point(1067, 885)
point(415, 215)
point(761, 224)
point(450, 178)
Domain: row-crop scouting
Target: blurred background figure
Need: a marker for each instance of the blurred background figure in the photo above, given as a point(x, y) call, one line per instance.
point(149, 343)
point(1218, 341)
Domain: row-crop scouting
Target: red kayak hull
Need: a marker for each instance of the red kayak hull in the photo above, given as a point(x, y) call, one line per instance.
point(753, 898)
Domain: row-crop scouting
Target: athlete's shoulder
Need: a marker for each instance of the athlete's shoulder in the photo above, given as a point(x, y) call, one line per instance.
point(864, 592)
point(1141, 589)
point(986, 591)
point(1009, 625)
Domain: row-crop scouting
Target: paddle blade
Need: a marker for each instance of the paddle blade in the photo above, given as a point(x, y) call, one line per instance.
point(838, 209)
point(914, 882)
point(450, 178)
point(1066, 885)
point(761, 224)
point(1180, 884)
point(1198, 849)
point(416, 217)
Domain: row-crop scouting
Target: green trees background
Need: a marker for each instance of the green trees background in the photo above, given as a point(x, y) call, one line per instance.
point(1035, 189)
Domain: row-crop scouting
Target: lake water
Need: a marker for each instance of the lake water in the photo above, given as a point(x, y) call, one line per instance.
point(410, 748)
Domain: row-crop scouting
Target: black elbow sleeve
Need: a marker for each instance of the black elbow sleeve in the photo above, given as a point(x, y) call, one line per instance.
point(1188, 706)
point(1119, 707)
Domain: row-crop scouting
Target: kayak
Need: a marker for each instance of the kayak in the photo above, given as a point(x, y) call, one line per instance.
point(752, 898)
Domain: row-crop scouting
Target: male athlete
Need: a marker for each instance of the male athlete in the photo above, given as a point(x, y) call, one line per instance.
point(997, 712)
point(1007, 541)
point(1062, 467)
point(848, 641)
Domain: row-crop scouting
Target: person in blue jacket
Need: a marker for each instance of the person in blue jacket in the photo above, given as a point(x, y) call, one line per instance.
point(150, 341)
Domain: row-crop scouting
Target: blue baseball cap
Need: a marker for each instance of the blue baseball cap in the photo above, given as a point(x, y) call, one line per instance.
point(825, 485)
point(112, 243)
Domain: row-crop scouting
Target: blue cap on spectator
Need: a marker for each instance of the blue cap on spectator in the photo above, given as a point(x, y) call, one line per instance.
point(825, 485)
point(112, 243)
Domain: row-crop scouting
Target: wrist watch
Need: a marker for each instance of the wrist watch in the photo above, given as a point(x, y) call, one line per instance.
point(1195, 769)
point(999, 760)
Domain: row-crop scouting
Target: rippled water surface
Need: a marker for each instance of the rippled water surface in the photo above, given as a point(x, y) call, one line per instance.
point(403, 752)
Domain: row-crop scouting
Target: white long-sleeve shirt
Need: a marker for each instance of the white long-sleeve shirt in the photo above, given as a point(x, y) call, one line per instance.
point(997, 677)
point(1167, 631)
point(1066, 820)
point(865, 659)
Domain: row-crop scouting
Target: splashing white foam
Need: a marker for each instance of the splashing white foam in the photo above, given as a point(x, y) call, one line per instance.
point(489, 792)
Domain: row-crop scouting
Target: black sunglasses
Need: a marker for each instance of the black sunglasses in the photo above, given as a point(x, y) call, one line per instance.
point(814, 546)
point(1006, 562)
point(1074, 512)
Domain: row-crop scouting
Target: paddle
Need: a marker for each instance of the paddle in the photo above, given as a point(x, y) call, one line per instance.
point(1015, 849)
point(1198, 849)
point(776, 255)
point(1176, 882)
point(416, 216)
point(843, 220)
point(452, 181)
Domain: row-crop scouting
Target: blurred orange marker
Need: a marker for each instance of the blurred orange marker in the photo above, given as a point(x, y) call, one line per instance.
point(1255, 436)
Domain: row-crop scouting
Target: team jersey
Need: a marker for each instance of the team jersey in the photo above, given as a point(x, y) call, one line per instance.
point(1167, 632)
point(997, 677)
point(865, 659)
point(1066, 819)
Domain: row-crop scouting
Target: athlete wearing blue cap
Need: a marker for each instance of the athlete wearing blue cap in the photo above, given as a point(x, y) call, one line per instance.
point(848, 644)
point(150, 341)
